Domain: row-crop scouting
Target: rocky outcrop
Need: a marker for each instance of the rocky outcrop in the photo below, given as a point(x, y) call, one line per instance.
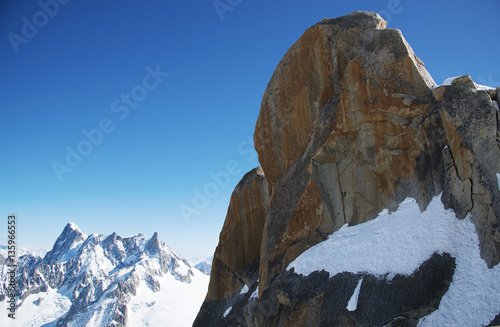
point(341, 126)
point(236, 259)
point(352, 123)
point(470, 122)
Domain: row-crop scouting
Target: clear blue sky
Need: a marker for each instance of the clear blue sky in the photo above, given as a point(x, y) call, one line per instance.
point(91, 65)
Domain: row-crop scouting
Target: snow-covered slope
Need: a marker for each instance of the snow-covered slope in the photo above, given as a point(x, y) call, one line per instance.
point(100, 280)
point(399, 243)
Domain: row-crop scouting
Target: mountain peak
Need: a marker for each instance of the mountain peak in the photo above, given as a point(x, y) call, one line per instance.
point(72, 226)
point(66, 244)
point(153, 245)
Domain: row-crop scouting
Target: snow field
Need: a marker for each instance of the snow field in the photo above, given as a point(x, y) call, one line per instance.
point(399, 242)
point(176, 304)
point(52, 306)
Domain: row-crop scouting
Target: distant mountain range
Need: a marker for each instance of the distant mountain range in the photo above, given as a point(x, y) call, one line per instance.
point(202, 263)
point(100, 280)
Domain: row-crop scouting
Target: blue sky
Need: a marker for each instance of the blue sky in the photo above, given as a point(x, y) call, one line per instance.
point(159, 99)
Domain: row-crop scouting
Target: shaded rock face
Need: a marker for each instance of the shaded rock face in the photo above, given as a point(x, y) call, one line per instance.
point(352, 123)
point(320, 300)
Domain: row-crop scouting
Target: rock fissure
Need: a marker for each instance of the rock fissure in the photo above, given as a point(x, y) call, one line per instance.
point(342, 195)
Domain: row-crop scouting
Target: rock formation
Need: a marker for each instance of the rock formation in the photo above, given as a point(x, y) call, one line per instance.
point(351, 123)
point(236, 259)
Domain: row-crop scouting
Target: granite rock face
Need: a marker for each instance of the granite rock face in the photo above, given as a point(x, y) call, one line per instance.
point(236, 259)
point(352, 123)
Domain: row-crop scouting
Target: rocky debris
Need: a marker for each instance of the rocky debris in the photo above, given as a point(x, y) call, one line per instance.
point(352, 123)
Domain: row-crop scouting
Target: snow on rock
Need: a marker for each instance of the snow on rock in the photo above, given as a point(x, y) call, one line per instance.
point(498, 180)
point(244, 289)
point(449, 81)
point(353, 301)
point(255, 294)
point(227, 311)
point(399, 242)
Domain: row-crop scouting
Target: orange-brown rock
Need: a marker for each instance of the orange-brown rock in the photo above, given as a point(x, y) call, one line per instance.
point(350, 123)
point(339, 133)
point(236, 259)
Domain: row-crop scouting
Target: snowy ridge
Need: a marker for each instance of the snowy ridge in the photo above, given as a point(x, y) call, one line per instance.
point(399, 242)
point(95, 281)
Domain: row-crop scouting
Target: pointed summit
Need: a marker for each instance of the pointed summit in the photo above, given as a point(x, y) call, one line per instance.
point(65, 245)
point(72, 226)
point(153, 245)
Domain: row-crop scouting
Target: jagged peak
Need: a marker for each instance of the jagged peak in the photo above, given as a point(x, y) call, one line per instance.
point(111, 238)
point(153, 244)
point(70, 238)
point(72, 225)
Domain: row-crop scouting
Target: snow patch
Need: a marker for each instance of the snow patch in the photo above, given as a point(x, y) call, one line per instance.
point(255, 294)
point(498, 181)
point(399, 242)
point(244, 289)
point(353, 301)
point(449, 80)
point(227, 311)
point(73, 251)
